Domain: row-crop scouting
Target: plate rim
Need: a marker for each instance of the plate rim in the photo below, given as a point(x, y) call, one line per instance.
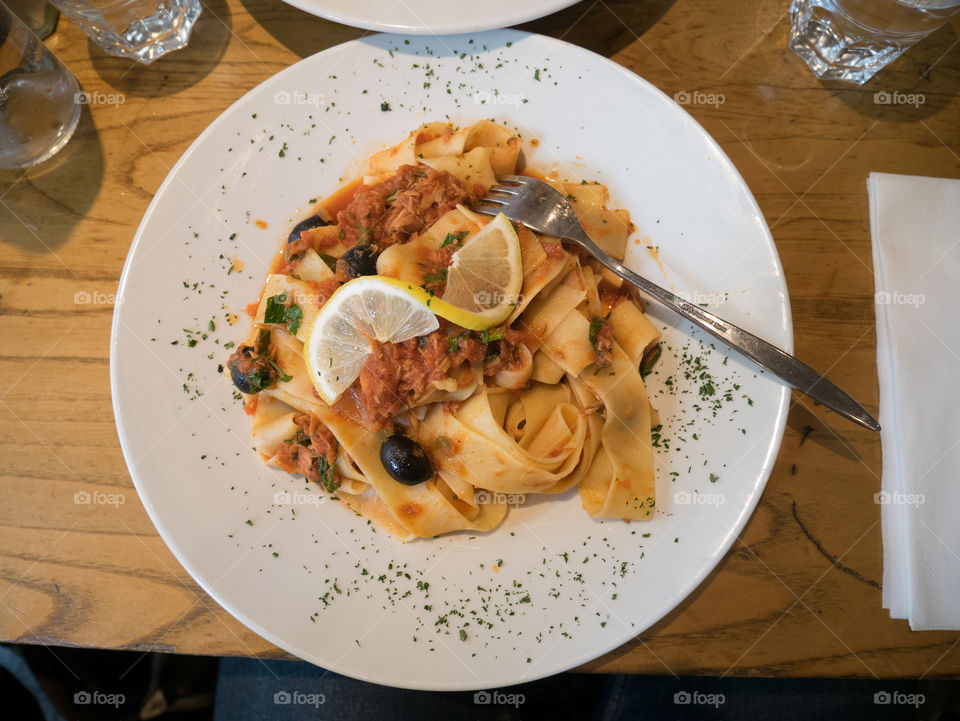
point(462, 28)
point(759, 485)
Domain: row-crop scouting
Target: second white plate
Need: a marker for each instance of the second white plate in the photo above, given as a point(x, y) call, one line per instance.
point(428, 17)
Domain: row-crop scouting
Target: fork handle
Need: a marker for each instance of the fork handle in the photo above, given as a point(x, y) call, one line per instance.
point(783, 365)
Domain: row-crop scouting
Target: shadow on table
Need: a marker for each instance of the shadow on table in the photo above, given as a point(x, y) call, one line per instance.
point(921, 83)
point(177, 70)
point(300, 32)
point(831, 436)
point(603, 27)
point(35, 215)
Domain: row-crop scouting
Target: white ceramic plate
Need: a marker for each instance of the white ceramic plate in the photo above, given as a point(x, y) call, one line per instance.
point(429, 17)
point(318, 581)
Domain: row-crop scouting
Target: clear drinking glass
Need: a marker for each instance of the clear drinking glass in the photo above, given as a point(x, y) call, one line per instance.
point(137, 29)
point(852, 39)
point(38, 96)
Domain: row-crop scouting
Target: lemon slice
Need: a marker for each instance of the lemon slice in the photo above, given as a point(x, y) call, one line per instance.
point(485, 276)
point(364, 309)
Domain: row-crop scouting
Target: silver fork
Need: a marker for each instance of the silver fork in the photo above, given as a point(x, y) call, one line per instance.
point(544, 209)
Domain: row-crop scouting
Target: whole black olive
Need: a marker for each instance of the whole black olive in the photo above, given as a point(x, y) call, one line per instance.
point(405, 460)
point(314, 221)
point(239, 380)
point(359, 260)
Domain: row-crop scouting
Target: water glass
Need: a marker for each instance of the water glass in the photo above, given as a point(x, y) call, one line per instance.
point(137, 29)
point(38, 96)
point(852, 39)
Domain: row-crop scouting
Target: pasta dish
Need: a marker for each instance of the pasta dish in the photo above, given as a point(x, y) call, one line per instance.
point(429, 366)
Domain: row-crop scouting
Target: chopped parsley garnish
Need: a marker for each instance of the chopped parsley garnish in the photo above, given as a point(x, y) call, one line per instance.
point(454, 238)
point(326, 474)
point(595, 326)
point(278, 312)
point(263, 341)
point(439, 277)
point(283, 377)
point(490, 334)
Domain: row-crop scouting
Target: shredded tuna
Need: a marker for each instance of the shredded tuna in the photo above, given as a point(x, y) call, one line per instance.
point(507, 353)
point(396, 374)
point(405, 203)
point(603, 348)
point(303, 453)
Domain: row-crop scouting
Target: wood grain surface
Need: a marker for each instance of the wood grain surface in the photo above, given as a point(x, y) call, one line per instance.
point(798, 595)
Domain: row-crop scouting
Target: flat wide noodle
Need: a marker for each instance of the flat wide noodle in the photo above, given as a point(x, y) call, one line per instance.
point(627, 490)
point(475, 443)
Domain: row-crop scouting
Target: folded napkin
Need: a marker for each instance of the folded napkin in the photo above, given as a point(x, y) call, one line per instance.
point(915, 224)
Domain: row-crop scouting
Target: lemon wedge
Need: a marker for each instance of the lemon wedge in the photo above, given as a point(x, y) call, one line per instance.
point(361, 310)
point(484, 277)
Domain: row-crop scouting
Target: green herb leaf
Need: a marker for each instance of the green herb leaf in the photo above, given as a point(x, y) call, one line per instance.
point(275, 310)
point(293, 316)
point(595, 326)
point(283, 377)
point(491, 334)
point(278, 312)
point(439, 277)
point(326, 474)
point(650, 359)
point(258, 380)
point(263, 342)
point(455, 238)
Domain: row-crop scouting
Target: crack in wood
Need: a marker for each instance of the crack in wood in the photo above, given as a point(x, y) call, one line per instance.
point(828, 556)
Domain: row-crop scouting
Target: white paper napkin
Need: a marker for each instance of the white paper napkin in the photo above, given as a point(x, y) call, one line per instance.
point(915, 225)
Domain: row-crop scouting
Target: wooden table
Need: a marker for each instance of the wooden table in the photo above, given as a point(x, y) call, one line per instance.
point(799, 594)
